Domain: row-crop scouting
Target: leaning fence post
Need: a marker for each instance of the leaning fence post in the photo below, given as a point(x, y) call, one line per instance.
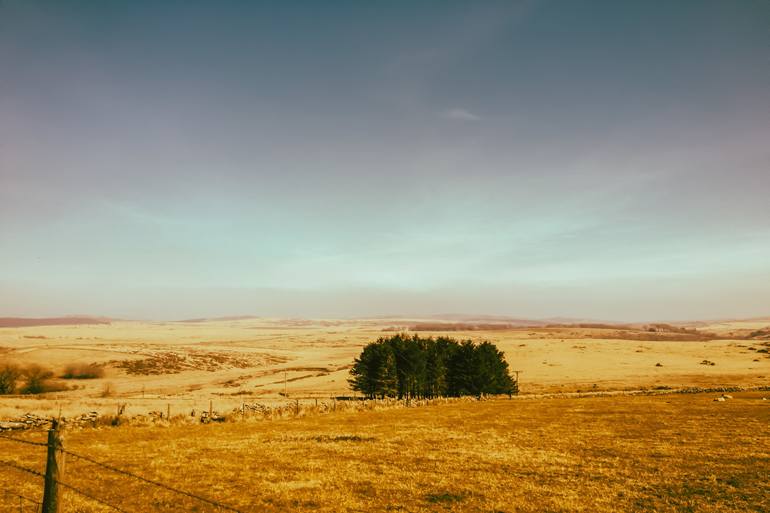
point(51, 490)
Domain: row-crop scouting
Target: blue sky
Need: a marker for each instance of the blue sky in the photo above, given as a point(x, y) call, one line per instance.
point(605, 160)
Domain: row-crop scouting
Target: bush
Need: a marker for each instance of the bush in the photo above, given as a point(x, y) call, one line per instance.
point(82, 371)
point(36, 381)
point(9, 375)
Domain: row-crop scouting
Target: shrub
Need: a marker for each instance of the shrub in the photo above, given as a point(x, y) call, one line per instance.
point(107, 390)
point(37, 380)
point(81, 371)
point(9, 374)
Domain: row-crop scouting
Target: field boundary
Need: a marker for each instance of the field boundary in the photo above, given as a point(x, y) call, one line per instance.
point(309, 405)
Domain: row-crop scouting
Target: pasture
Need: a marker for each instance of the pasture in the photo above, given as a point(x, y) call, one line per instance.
point(186, 365)
point(677, 452)
point(293, 452)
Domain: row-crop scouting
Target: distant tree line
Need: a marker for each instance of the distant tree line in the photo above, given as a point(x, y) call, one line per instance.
point(414, 367)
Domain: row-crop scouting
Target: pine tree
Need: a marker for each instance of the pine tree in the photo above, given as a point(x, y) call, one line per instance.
point(412, 367)
point(374, 371)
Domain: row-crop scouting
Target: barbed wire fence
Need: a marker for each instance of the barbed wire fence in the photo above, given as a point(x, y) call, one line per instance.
point(11, 496)
point(121, 490)
point(52, 477)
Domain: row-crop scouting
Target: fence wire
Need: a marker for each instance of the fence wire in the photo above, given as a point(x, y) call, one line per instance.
point(91, 497)
point(17, 495)
point(153, 482)
point(75, 489)
point(21, 468)
point(21, 441)
point(111, 468)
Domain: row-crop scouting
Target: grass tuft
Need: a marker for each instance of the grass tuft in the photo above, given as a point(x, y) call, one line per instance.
point(444, 497)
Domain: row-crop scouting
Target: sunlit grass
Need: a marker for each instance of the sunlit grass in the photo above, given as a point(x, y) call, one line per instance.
point(647, 453)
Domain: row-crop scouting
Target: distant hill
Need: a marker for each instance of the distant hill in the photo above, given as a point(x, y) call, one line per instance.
point(463, 318)
point(20, 322)
point(488, 319)
point(219, 319)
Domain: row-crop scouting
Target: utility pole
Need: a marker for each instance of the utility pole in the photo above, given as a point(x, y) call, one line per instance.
point(52, 468)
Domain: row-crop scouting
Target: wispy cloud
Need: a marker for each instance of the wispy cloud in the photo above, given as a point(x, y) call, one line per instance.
point(460, 114)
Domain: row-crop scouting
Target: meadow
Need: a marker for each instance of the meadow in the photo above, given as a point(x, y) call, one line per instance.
point(678, 452)
point(598, 426)
point(186, 365)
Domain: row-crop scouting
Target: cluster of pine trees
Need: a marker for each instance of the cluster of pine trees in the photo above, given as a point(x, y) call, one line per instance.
point(413, 367)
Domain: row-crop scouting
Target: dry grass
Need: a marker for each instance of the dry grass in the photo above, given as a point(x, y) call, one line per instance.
point(597, 454)
point(644, 453)
point(149, 365)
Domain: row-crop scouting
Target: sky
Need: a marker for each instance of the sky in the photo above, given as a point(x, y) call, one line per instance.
point(589, 159)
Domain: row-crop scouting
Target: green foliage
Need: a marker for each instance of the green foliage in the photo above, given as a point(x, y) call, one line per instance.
point(404, 366)
point(374, 372)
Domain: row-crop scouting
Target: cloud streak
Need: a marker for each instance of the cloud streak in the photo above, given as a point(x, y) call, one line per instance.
point(510, 161)
point(460, 114)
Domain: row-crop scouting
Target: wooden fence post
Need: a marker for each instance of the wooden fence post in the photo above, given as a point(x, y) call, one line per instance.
point(52, 468)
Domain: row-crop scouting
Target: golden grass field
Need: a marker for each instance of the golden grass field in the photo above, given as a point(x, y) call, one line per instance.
point(251, 360)
point(535, 452)
point(602, 454)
